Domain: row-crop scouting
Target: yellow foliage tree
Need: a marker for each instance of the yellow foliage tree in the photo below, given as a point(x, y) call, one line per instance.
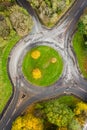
point(81, 106)
point(18, 124)
point(81, 112)
point(27, 122)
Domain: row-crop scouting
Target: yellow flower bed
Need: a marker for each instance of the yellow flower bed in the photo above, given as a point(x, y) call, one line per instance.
point(36, 73)
point(53, 60)
point(35, 54)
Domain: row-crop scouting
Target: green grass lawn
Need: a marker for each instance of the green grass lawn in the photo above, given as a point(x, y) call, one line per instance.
point(81, 52)
point(5, 47)
point(5, 85)
point(8, 38)
point(50, 72)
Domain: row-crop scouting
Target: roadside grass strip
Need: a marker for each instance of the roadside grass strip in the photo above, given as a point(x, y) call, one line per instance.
point(15, 23)
point(81, 52)
point(5, 85)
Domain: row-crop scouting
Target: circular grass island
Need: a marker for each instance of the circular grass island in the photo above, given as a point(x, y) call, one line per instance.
point(42, 66)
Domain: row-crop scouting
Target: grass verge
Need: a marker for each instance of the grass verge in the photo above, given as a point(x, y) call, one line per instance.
point(14, 22)
point(5, 85)
point(81, 52)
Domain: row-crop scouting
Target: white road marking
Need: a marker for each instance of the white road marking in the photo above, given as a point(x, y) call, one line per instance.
point(8, 121)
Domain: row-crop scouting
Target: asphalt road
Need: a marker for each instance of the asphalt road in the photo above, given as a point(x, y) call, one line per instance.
point(70, 82)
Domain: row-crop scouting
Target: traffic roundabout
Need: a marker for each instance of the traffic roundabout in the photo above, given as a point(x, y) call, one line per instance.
point(42, 66)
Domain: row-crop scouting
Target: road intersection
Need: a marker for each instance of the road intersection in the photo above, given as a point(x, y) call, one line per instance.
point(71, 82)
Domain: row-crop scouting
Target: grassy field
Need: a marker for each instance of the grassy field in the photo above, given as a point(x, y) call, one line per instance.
point(50, 72)
point(6, 44)
point(8, 38)
point(5, 85)
point(81, 52)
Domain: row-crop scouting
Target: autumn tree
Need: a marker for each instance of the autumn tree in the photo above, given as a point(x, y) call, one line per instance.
point(27, 122)
point(81, 112)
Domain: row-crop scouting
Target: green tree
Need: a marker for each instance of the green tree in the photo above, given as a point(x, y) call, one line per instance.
point(57, 114)
point(84, 21)
point(74, 125)
point(4, 28)
point(82, 27)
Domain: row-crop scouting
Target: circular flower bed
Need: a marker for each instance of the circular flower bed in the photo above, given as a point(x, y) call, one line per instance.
point(42, 66)
point(36, 73)
point(35, 54)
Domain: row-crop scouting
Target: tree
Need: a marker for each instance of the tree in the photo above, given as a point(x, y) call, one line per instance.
point(57, 114)
point(81, 112)
point(50, 10)
point(74, 125)
point(18, 125)
point(27, 122)
point(82, 24)
point(4, 28)
point(84, 21)
point(21, 21)
point(82, 27)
